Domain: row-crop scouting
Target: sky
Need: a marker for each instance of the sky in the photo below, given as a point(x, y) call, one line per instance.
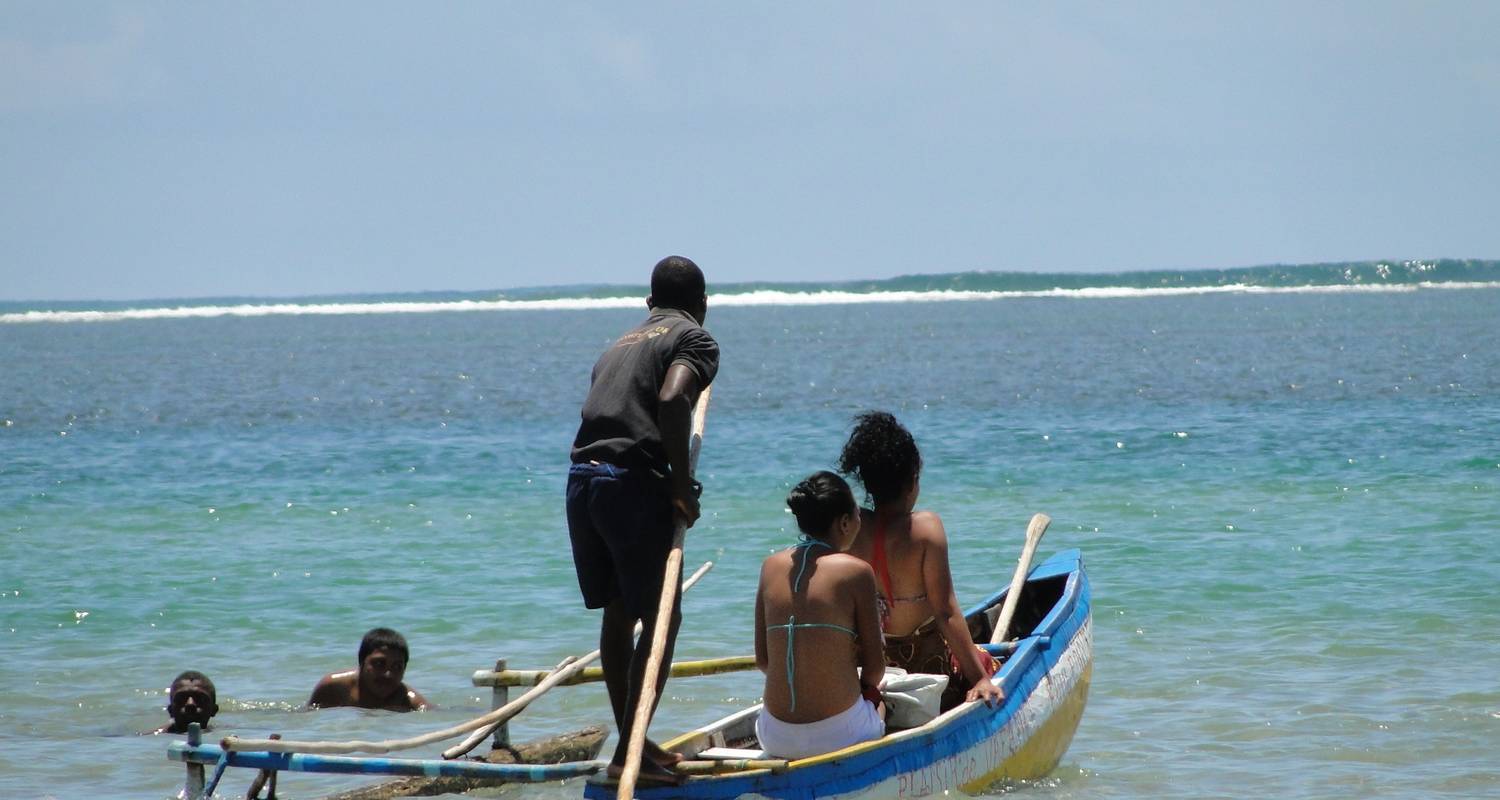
point(165, 150)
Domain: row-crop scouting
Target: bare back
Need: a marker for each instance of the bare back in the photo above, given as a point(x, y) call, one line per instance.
point(823, 604)
point(916, 563)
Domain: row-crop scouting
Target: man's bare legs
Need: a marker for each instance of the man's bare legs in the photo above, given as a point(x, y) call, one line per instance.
point(624, 663)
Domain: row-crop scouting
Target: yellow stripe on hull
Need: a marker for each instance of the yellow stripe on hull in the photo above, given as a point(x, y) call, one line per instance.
point(1039, 756)
point(1044, 748)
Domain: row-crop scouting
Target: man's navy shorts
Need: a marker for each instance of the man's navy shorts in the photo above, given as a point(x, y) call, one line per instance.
point(621, 528)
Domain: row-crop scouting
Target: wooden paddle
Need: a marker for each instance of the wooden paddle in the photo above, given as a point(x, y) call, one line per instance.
point(664, 607)
point(1034, 531)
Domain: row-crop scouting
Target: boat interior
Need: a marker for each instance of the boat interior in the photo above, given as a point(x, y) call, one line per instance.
point(733, 738)
point(1038, 598)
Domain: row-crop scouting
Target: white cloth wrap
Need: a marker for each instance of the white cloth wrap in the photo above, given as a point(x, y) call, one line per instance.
point(858, 723)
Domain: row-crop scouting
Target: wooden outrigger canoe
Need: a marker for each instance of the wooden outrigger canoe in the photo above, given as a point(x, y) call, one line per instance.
point(1045, 677)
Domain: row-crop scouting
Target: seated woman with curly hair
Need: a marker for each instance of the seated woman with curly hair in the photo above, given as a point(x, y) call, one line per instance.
point(924, 626)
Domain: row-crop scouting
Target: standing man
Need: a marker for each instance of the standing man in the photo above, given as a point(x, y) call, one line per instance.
point(631, 480)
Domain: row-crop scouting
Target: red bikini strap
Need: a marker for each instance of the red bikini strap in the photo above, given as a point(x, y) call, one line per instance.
point(877, 560)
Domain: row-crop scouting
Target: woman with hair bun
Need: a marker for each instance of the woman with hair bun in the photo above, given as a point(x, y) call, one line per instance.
point(908, 550)
point(817, 631)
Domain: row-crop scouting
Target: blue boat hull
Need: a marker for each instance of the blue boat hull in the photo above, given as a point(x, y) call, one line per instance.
point(1045, 681)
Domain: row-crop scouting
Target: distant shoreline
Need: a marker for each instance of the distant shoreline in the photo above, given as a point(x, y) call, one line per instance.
point(1364, 276)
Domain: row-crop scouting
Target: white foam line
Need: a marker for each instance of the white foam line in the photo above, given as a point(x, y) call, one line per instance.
point(745, 299)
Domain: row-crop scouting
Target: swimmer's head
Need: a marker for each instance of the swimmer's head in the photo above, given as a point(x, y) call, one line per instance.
point(882, 454)
point(825, 509)
point(676, 282)
point(382, 662)
point(192, 698)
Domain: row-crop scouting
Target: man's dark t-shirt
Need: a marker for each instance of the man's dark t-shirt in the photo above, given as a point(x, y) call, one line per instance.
point(619, 417)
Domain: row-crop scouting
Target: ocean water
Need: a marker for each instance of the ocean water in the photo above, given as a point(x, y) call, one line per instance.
point(1286, 490)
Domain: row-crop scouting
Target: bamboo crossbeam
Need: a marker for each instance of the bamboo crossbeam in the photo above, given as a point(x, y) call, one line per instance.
point(680, 669)
point(720, 766)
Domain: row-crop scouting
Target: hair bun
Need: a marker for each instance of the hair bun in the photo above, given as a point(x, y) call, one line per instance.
point(801, 496)
point(818, 500)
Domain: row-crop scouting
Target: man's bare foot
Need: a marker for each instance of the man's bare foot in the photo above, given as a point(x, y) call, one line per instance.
point(652, 774)
point(662, 757)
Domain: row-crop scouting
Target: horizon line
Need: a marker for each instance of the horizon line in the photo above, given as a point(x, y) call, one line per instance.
point(743, 286)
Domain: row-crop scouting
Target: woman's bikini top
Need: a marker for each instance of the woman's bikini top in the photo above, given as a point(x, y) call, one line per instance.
point(886, 599)
point(791, 626)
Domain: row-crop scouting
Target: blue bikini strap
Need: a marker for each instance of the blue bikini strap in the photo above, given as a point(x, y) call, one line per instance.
point(806, 545)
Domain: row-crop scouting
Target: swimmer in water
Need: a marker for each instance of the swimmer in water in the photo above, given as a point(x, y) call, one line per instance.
point(377, 683)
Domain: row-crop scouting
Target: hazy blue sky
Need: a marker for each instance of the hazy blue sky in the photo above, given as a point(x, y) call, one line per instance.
point(191, 149)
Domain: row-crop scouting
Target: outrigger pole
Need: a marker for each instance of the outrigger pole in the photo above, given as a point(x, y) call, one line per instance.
point(204, 754)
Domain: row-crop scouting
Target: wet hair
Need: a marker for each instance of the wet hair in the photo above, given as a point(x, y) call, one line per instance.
point(194, 675)
point(882, 455)
point(383, 639)
point(676, 282)
point(818, 500)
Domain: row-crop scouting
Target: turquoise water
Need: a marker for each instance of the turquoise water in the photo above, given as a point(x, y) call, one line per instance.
point(1287, 503)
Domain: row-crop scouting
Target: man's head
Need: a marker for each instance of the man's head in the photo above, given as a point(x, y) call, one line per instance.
point(192, 698)
point(676, 282)
point(382, 662)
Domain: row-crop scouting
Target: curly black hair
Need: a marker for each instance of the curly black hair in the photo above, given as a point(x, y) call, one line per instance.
point(882, 454)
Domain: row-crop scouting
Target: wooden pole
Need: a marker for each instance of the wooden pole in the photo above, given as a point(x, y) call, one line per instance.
point(667, 603)
point(193, 789)
point(262, 779)
point(499, 697)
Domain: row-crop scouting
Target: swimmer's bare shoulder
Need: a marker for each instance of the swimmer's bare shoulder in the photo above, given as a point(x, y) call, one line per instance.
point(415, 700)
point(336, 689)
